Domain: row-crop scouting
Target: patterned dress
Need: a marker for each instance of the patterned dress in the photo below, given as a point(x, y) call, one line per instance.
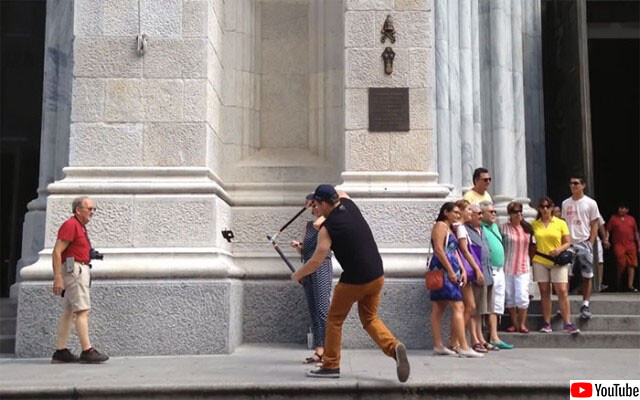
point(317, 286)
point(450, 291)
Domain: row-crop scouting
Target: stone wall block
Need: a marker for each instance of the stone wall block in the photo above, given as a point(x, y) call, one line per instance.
point(420, 106)
point(413, 5)
point(230, 15)
point(177, 221)
point(359, 29)
point(195, 100)
point(213, 108)
point(410, 150)
point(215, 32)
point(357, 109)
point(161, 18)
point(124, 100)
point(174, 144)
point(176, 58)
point(99, 144)
point(413, 29)
point(369, 4)
point(194, 18)
point(421, 68)
point(367, 151)
point(163, 100)
point(106, 58)
point(106, 17)
point(365, 68)
point(88, 100)
point(215, 71)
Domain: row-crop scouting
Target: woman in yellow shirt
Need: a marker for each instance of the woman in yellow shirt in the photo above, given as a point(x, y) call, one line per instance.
point(552, 238)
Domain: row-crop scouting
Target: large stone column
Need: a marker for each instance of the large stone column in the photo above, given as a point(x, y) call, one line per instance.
point(441, 23)
point(466, 94)
point(142, 144)
point(56, 117)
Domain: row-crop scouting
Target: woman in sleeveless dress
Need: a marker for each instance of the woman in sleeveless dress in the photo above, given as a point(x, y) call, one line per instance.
point(447, 259)
point(317, 286)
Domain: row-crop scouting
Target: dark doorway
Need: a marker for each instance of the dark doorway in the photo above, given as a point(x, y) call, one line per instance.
point(22, 50)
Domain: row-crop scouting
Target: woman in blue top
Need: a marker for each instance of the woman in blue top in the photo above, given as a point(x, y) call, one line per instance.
point(317, 286)
point(446, 259)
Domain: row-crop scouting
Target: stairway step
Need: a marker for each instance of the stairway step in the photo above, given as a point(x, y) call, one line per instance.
point(7, 343)
point(587, 339)
point(8, 308)
point(7, 326)
point(627, 305)
point(597, 323)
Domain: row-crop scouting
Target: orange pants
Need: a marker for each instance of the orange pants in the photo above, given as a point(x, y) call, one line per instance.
point(368, 297)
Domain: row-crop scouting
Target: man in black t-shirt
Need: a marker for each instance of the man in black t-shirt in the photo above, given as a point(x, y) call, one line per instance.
point(347, 233)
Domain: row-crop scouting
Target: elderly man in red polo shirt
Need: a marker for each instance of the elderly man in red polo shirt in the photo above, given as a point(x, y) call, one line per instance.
point(71, 279)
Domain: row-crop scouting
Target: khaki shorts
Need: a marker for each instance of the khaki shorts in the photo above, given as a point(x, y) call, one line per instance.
point(483, 296)
point(76, 288)
point(551, 273)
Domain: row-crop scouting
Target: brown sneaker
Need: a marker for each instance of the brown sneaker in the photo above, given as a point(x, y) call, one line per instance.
point(63, 356)
point(92, 356)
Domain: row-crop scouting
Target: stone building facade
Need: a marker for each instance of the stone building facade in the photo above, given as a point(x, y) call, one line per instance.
point(182, 118)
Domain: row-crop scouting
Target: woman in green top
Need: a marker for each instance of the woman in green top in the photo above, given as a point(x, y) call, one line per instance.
point(552, 238)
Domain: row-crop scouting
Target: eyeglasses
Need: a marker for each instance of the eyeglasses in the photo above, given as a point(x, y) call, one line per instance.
point(575, 183)
point(486, 179)
point(515, 212)
point(94, 209)
point(493, 212)
point(479, 213)
point(545, 206)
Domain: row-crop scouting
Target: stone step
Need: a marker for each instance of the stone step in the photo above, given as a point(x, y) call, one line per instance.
point(8, 308)
point(7, 343)
point(7, 326)
point(627, 305)
point(597, 323)
point(586, 339)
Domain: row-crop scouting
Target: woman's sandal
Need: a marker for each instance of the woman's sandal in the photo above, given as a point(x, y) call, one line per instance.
point(524, 330)
point(490, 347)
point(479, 348)
point(511, 329)
point(315, 358)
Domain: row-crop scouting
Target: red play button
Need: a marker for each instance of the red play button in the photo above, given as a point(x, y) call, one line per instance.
point(581, 389)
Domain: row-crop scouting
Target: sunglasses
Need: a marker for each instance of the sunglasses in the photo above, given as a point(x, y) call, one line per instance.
point(545, 206)
point(486, 179)
point(494, 212)
point(574, 183)
point(515, 212)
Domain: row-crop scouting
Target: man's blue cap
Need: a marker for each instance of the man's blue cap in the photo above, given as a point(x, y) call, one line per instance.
point(325, 192)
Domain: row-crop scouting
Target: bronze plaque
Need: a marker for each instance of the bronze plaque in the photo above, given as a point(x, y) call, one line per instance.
point(388, 109)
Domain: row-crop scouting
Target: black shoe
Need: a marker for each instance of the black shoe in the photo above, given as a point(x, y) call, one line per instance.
point(402, 362)
point(585, 312)
point(92, 356)
point(63, 356)
point(324, 373)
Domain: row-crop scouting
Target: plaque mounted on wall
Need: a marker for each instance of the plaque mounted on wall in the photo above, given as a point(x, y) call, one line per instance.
point(388, 109)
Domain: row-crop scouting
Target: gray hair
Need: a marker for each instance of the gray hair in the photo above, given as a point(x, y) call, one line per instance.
point(474, 208)
point(484, 206)
point(77, 203)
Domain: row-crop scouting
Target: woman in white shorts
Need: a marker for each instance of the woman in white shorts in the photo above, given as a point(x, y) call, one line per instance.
point(552, 238)
point(516, 235)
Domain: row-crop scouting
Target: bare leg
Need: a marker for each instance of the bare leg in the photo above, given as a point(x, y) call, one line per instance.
point(436, 325)
point(493, 328)
point(513, 314)
point(458, 324)
point(586, 288)
point(82, 329)
point(630, 276)
point(522, 318)
point(479, 335)
point(563, 301)
point(469, 308)
point(600, 267)
point(545, 300)
point(64, 329)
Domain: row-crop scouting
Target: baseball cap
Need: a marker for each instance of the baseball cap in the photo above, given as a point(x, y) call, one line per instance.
point(325, 192)
point(310, 196)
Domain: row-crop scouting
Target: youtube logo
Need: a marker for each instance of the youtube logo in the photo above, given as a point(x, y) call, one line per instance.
point(581, 389)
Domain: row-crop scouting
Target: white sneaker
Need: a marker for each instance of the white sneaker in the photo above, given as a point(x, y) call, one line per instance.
point(469, 354)
point(443, 351)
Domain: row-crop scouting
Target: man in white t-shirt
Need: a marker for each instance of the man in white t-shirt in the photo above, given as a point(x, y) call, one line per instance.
point(478, 193)
point(582, 214)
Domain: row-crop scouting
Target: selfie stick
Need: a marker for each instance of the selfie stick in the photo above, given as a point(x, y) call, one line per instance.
point(284, 258)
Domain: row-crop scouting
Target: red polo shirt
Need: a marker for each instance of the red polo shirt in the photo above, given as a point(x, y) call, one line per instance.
point(79, 247)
